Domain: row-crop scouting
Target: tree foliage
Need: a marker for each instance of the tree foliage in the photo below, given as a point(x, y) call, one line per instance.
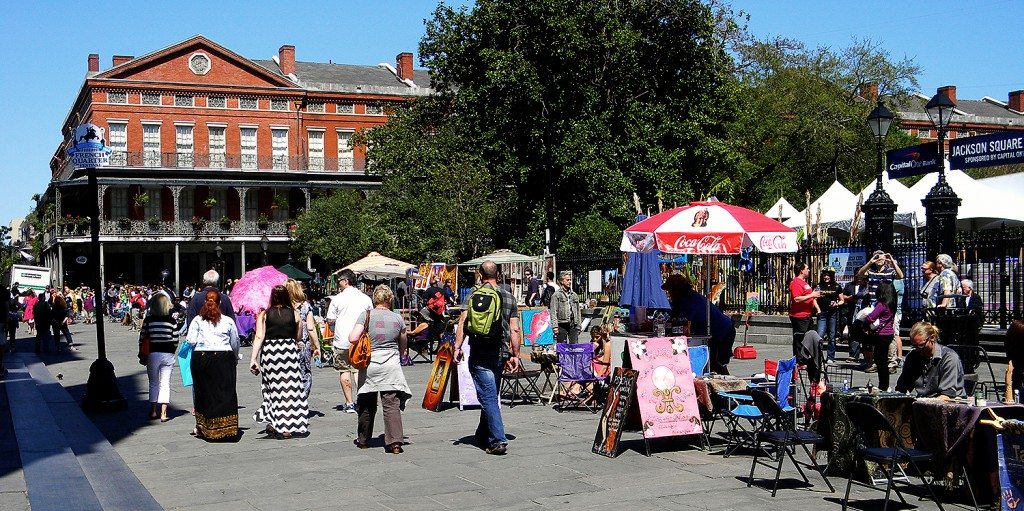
point(334, 227)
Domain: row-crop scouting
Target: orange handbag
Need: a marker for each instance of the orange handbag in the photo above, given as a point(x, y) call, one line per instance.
point(359, 352)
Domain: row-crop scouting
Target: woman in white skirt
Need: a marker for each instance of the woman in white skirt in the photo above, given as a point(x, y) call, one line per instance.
point(162, 330)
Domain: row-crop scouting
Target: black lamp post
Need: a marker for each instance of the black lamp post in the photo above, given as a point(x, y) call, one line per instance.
point(941, 204)
point(879, 209)
point(292, 230)
point(220, 259)
point(265, 244)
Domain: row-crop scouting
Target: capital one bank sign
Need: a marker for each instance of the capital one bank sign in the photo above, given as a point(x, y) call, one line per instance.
point(89, 148)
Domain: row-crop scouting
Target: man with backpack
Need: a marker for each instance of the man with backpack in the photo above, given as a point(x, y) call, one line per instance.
point(491, 325)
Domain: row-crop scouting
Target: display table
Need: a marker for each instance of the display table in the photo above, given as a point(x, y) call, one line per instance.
point(835, 425)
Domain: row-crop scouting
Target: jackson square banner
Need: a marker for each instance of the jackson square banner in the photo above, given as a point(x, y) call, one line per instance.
point(986, 150)
point(664, 387)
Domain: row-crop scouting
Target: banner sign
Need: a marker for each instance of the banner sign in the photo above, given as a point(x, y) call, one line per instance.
point(846, 262)
point(616, 407)
point(986, 150)
point(913, 160)
point(1011, 469)
point(664, 387)
point(90, 147)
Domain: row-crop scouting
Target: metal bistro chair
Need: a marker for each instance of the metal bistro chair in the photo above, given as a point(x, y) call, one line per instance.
point(869, 423)
point(968, 352)
point(784, 437)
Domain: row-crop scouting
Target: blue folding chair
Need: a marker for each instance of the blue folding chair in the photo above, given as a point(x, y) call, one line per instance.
point(742, 409)
point(699, 358)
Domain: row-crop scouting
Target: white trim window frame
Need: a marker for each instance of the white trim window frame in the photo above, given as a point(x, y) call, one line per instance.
point(151, 96)
point(184, 141)
point(315, 143)
point(375, 109)
point(223, 100)
point(217, 143)
point(279, 147)
point(345, 108)
point(117, 97)
point(248, 103)
point(346, 153)
point(118, 203)
point(279, 105)
point(184, 100)
point(117, 139)
point(316, 107)
point(151, 144)
point(248, 147)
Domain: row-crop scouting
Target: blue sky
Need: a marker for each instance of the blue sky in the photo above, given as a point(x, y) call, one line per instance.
point(973, 45)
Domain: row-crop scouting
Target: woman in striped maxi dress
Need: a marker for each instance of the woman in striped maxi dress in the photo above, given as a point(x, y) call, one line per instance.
point(275, 355)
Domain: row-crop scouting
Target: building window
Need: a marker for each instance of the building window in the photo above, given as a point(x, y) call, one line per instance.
point(151, 145)
point(248, 147)
point(216, 102)
point(217, 147)
point(153, 205)
point(374, 109)
point(315, 107)
point(316, 150)
point(279, 148)
point(117, 139)
point(924, 133)
point(184, 146)
point(184, 100)
point(119, 97)
point(346, 157)
point(118, 203)
point(220, 209)
point(279, 104)
point(346, 108)
point(150, 98)
point(252, 203)
point(248, 103)
point(187, 204)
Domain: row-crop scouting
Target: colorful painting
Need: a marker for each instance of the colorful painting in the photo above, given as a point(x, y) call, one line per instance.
point(664, 389)
point(438, 377)
point(467, 391)
point(422, 277)
point(537, 327)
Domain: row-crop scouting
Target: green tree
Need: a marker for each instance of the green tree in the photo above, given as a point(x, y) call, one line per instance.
point(334, 228)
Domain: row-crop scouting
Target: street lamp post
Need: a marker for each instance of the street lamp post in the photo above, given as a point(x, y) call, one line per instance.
point(941, 204)
point(219, 251)
point(265, 244)
point(879, 209)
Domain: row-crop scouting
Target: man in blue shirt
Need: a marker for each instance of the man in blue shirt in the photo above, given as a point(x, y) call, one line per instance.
point(690, 305)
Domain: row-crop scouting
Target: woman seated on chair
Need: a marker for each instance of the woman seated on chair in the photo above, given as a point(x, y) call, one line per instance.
point(601, 339)
point(1013, 345)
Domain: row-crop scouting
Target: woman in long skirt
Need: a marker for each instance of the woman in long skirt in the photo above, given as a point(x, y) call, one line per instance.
point(213, 371)
point(275, 354)
point(309, 345)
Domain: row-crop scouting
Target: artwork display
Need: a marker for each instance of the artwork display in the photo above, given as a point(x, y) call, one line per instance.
point(438, 380)
point(664, 388)
point(616, 408)
point(537, 327)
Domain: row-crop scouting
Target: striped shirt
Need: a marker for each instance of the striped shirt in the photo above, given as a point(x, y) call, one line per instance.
point(162, 332)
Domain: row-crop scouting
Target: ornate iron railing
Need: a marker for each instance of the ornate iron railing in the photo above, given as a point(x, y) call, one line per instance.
point(152, 159)
point(180, 228)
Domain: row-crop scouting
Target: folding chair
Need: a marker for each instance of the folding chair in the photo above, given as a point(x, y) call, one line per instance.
point(741, 408)
point(520, 385)
point(869, 423)
point(785, 437)
point(970, 352)
point(577, 383)
point(699, 359)
point(326, 344)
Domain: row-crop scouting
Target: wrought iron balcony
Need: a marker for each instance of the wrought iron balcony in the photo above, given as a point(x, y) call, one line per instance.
point(152, 159)
point(178, 229)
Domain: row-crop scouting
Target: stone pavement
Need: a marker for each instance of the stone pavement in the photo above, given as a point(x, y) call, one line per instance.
point(549, 464)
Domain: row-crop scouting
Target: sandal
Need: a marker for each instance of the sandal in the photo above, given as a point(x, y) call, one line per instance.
point(359, 444)
point(164, 419)
point(395, 449)
point(284, 436)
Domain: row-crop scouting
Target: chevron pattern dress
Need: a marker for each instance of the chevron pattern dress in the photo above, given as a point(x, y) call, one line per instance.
point(284, 405)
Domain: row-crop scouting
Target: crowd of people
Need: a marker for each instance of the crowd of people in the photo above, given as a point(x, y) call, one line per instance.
point(45, 314)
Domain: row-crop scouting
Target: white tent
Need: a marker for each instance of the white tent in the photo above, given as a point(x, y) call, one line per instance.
point(837, 204)
point(503, 256)
point(981, 207)
point(375, 260)
point(909, 210)
point(781, 210)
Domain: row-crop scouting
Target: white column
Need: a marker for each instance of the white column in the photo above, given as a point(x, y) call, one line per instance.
point(103, 278)
point(60, 264)
point(177, 269)
point(243, 259)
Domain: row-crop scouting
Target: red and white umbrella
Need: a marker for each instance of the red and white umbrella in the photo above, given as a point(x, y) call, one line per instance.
point(713, 228)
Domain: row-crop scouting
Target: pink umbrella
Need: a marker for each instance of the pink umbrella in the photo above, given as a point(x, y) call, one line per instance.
point(252, 291)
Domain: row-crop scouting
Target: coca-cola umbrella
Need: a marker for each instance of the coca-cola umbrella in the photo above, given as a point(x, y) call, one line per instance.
point(708, 228)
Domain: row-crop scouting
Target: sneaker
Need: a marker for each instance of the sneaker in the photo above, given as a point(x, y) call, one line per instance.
point(350, 408)
point(871, 369)
point(830, 362)
point(498, 448)
point(899, 361)
point(892, 369)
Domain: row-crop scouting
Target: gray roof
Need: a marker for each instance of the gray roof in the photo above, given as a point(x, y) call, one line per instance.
point(968, 110)
point(353, 78)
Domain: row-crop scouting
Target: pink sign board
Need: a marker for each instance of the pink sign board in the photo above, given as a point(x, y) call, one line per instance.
point(664, 387)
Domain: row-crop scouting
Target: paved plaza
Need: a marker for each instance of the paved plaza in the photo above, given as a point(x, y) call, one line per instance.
point(549, 464)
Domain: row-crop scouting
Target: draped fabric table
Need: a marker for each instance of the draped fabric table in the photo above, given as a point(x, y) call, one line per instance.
point(835, 425)
point(707, 387)
point(952, 431)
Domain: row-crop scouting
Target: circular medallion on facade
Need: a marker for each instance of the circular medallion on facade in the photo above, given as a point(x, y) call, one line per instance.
point(199, 63)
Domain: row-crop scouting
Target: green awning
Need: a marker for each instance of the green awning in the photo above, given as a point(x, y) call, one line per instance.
point(294, 273)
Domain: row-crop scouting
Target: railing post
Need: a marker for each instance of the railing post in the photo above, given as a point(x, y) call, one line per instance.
point(1003, 277)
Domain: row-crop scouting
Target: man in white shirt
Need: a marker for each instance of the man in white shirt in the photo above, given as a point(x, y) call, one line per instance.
point(342, 314)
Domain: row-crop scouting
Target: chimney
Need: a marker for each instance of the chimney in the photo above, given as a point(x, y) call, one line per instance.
point(286, 59)
point(1017, 101)
point(869, 91)
point(403, 65)
point(949, 91)
point(94, 62)
point(117, 60)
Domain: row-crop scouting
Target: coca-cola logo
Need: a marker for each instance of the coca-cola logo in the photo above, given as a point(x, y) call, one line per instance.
point(707, 244)
point(776, 242)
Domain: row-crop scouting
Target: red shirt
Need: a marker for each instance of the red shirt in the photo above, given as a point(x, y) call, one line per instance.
point(800, 309)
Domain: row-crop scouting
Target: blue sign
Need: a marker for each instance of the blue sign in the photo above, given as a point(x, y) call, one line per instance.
point(989, 150)
point(914, 160)
point(90, 148)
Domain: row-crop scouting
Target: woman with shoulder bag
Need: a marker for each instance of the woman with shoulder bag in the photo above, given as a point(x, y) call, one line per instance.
point(309, 345)
point(384, 376)
point(275, 354)
point(60, 319)
point(162, 331)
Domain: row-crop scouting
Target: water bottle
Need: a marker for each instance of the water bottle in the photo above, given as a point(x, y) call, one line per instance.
point(846, 385)
point(659, 325)
point(979, 395)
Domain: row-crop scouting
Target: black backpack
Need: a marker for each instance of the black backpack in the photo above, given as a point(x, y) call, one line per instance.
point(545, 298)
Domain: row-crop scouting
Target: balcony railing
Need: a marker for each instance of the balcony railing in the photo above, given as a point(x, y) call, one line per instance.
point(179, 228)
point(234, 161)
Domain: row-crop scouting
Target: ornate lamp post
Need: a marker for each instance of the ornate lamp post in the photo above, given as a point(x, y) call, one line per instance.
point(879, 209)
point(265, 244)
point(292, 231)
point(219, 251)
point(941, 204)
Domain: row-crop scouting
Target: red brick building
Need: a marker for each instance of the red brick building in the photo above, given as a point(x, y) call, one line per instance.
point(213, 149)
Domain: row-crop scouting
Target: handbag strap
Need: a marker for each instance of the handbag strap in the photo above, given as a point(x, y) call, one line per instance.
point(366, 324)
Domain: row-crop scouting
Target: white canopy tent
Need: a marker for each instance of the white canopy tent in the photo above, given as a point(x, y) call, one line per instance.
point(375, 260)
point(503, 256)
point(837, 204)
point(982, 206)
point(781, 210)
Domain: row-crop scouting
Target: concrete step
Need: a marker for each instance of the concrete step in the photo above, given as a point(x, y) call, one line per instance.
point(96, 475)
